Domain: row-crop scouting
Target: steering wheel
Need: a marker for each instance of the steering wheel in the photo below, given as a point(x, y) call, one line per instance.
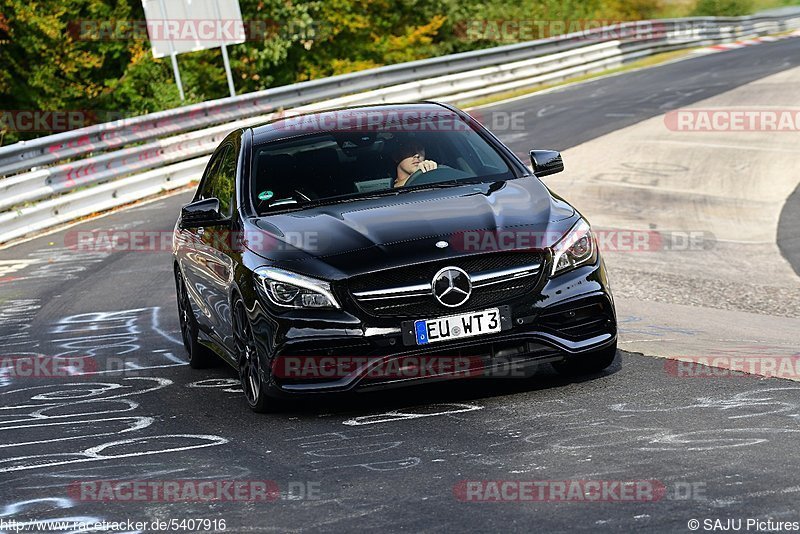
point(420, 178)
point(441, 173)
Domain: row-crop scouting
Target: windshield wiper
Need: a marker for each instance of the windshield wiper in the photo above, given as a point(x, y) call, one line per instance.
point(438, 185)
point(354, 197)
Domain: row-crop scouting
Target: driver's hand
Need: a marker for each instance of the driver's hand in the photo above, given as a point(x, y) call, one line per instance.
point(427, 165)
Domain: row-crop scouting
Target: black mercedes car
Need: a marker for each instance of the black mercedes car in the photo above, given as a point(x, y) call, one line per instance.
point(371, 247)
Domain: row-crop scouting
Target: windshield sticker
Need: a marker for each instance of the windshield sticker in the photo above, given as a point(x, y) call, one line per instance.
point(265, 195)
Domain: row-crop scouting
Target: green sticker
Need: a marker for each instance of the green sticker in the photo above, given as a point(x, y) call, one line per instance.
point(265, 195)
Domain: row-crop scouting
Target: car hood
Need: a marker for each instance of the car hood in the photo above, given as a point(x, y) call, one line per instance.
point(353, 237)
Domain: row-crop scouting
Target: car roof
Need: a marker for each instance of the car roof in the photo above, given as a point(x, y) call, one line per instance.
point(342, 119)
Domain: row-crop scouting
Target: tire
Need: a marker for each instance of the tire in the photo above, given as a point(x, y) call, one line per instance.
point(587, 364)
point(251, 365)
point(200, 356)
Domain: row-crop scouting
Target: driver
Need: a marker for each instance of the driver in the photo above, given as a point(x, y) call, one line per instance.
point(410, 159)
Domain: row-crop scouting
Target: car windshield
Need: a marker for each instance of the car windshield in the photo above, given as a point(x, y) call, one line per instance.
point(337, 156)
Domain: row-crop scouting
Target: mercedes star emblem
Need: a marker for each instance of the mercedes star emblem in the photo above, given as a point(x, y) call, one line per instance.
point(451, 286)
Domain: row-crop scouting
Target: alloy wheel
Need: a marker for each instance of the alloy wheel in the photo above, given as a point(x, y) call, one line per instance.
point(249, 362)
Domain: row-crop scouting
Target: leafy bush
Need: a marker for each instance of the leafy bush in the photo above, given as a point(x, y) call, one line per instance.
point(723, 8)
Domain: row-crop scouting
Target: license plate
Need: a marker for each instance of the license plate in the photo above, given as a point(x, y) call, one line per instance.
point(458, 326)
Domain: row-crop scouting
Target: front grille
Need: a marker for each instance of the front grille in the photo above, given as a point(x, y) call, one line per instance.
point(425, 304)
point(588, 320)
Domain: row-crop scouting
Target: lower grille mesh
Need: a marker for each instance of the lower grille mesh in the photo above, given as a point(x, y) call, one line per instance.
point(576, 323)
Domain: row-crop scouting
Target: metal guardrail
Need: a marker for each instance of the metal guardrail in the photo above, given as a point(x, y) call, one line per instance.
point(67, 208)
point(174, 161)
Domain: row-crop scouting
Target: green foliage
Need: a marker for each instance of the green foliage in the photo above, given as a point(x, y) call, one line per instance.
point(46, 65)
point(722, 7)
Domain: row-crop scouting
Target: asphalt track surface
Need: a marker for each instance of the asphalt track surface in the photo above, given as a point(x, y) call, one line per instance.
point(721, 448)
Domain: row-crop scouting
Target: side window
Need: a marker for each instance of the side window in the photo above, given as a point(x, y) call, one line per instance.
point(226, 180)
point(220, 179)
point(206, 182)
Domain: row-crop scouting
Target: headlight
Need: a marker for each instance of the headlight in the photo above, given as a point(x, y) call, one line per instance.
point(290, 290)
point(574, 249)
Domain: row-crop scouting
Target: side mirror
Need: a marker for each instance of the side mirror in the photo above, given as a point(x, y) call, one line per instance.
point(546, 162)
point(201, 213)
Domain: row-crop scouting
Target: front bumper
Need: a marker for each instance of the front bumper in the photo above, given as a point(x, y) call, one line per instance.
point(567, 315)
